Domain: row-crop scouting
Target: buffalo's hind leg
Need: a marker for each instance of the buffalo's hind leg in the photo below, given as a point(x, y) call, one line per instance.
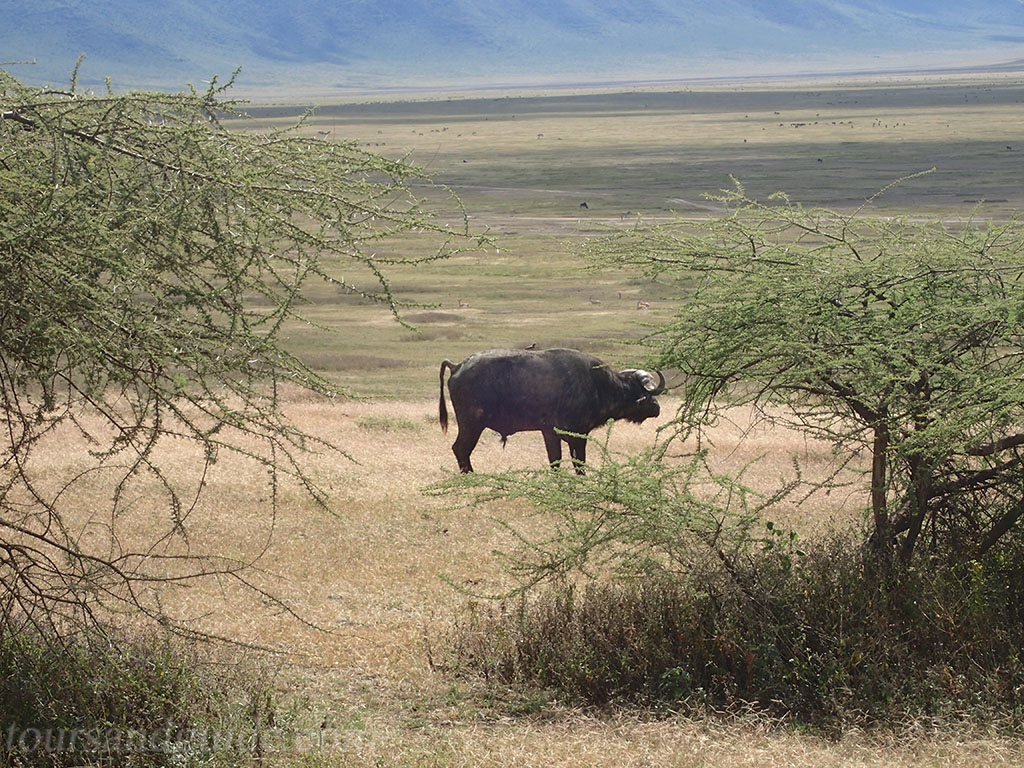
point(578, 452)
point(464, 444)
point(553, 444)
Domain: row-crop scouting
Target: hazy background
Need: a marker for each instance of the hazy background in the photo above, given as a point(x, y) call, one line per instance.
point(340, 47)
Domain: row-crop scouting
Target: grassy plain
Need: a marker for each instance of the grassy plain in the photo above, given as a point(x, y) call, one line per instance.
point(364, 693)
point(523, 165)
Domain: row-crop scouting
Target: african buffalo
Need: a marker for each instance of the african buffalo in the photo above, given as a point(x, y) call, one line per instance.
point(516, 390)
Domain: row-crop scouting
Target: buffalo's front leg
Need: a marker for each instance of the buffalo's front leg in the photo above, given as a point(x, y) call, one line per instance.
point(553, 443)
point(464, 445)
point(578, 452)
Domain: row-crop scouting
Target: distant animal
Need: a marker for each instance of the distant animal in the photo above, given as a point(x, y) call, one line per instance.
point(550, 390)
point(584, 204)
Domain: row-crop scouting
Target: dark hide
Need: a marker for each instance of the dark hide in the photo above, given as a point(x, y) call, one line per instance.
point(510, 390)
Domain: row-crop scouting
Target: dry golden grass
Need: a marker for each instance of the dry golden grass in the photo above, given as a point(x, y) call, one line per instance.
point(627, 742)
point(368, 577)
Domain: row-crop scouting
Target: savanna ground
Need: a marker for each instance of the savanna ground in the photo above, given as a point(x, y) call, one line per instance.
point(359, 681)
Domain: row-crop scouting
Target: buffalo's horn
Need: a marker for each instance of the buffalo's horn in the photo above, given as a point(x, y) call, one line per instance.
point(646, 379)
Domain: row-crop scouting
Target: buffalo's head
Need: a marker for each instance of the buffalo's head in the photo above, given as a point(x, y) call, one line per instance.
point(642, 387)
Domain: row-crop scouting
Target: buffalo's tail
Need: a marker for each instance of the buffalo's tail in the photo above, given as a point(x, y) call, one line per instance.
point(442, 411)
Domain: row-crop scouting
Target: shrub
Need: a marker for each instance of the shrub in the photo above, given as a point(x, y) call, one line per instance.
point(124, 699)
point(815, 636)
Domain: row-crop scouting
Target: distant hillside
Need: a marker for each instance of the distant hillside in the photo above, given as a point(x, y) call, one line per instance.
point(359, 45)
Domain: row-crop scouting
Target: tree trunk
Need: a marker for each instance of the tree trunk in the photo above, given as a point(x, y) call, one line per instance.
point(879, 509)
point(920, 478)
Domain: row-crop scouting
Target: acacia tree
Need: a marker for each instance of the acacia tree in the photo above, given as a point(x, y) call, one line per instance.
point(900, 342)
point(149, 255)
